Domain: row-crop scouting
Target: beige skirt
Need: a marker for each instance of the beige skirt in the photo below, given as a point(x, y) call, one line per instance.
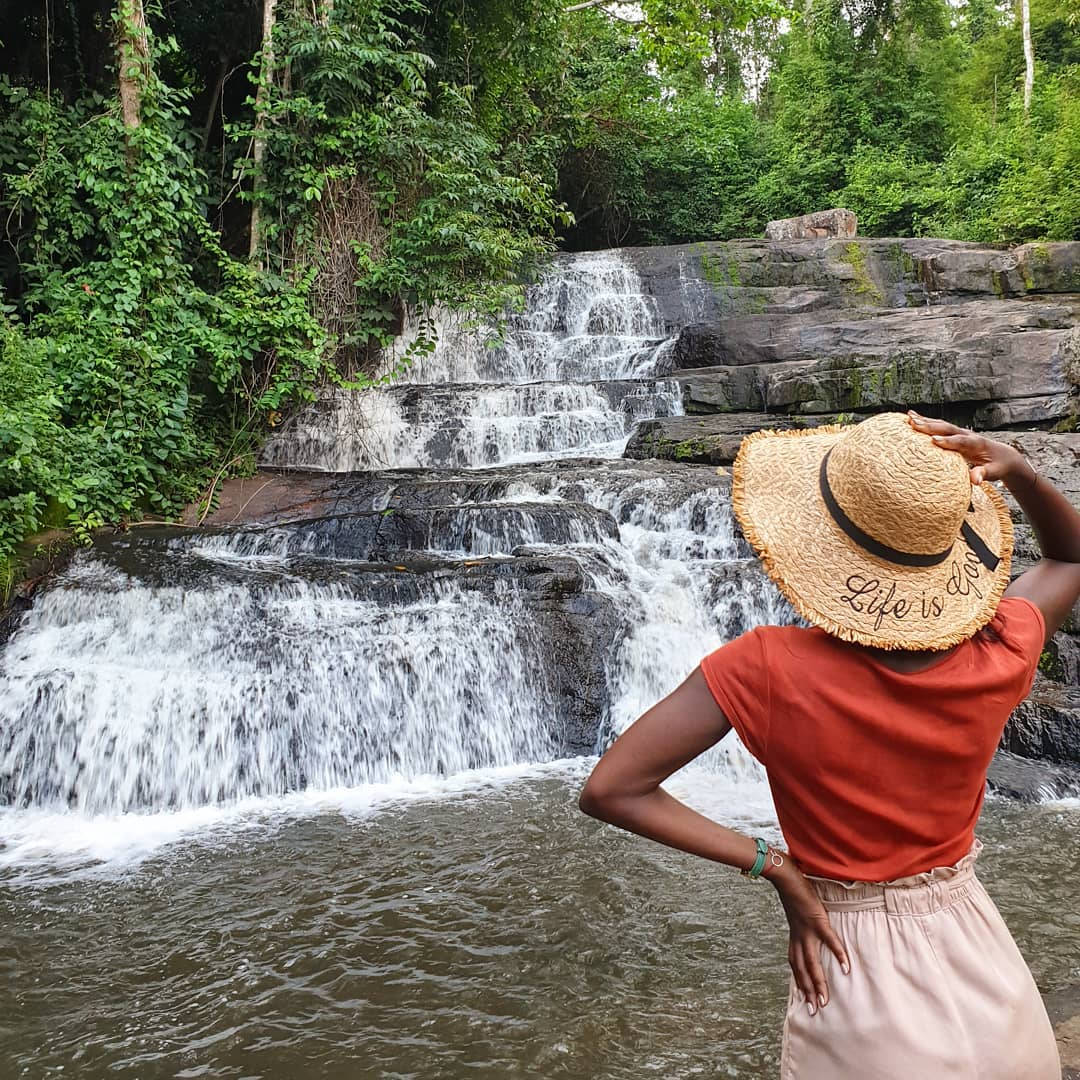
point(938, 989)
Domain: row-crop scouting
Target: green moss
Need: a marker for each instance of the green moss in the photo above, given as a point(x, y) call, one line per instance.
point(719, 272)
point(855, 388)
point(1051, 666)
point(862, 284)
point(1035, 256)
point(690, 448)
point(713, 271)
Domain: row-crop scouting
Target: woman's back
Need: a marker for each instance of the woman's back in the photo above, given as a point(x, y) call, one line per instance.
point(876, 773)
point(877, 761)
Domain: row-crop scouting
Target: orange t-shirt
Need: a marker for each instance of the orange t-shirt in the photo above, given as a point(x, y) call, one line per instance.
point(875, 774)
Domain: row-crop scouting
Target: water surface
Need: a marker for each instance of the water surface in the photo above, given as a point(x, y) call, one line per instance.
point(495, 932)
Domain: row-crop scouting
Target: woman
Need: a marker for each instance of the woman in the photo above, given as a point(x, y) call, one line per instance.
point(876, 726)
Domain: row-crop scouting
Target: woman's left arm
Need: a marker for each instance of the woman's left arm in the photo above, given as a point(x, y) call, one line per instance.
point(624, 790)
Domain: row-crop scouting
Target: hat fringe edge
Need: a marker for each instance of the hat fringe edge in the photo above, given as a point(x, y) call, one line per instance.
point(824, 622)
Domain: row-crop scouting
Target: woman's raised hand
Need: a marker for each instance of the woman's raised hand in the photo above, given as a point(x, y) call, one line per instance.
point(987, 458)
point(809, 930)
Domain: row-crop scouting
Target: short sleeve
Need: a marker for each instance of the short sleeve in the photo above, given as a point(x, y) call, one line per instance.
point(1020, 625)
point(738, 677)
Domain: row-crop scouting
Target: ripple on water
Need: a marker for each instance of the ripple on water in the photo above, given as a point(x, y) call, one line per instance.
point(502, 935)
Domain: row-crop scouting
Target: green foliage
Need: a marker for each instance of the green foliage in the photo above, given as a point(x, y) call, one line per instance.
point(891, 192)
point(146, 352)
point(648, 163)
point(1017, 179)
point(439, 214)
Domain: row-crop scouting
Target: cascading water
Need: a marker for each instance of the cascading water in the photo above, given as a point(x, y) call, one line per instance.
point(570, 377)
point(415, 631)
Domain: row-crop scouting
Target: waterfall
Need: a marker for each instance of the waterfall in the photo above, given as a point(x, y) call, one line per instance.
point(570, 376)
point(463, 620)
point(127, 697)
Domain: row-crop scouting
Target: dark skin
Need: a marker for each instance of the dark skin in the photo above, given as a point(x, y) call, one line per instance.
point(624, 788)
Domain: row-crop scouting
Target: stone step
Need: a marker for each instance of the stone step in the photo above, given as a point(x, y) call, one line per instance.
point(708, 439)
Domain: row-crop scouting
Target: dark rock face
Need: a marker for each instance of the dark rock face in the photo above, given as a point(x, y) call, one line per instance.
point(708, 439)
point(819, 327)
point(702, 282)
point(1005, 359)
point(1047, 725)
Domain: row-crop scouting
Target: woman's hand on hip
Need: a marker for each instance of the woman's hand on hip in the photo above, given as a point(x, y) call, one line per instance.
point(810, 929)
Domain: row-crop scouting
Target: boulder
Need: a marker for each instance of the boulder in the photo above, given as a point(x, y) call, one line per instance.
point(817, 226)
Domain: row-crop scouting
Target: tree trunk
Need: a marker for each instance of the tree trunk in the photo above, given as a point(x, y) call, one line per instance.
point(133, 59)
point(258, 153)
point(215, 97)
point(1029, 54)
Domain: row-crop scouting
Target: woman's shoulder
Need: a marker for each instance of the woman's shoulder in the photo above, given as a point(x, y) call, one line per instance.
point(1018, 624)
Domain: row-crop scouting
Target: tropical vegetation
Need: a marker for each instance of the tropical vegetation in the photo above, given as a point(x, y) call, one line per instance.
point(212, 210)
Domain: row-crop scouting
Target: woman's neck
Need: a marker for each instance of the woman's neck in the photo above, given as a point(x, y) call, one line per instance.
point(904, 660)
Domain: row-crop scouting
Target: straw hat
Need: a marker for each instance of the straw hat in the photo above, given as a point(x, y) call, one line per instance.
point(875, 533)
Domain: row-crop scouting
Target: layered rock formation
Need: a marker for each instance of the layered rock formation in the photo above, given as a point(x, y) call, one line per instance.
point(800, 333)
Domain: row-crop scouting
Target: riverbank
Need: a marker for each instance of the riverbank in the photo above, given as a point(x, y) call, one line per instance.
point(1064, 1009)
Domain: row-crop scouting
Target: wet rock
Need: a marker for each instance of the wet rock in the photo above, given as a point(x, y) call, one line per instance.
point(1057, 457)
point(275, 496)
point(1033, 412)
point(1008, 356)
point(1026, 780)
point(817, 226)
point(476, 528)
point(11, 616)
point(1047, 725)
point(706, 439)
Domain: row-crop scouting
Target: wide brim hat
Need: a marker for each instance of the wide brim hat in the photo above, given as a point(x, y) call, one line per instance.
point(874, 533)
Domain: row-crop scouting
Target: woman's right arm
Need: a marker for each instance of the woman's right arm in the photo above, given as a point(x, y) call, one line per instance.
point(1053, 583)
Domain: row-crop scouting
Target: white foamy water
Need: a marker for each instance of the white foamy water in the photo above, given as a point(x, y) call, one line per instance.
point(126, 697)
point(570, 376)
point(471, 426)
point(587, 318)
point(223, 680)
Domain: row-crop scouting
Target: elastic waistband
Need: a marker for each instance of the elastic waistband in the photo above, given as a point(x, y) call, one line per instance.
point(921, 894)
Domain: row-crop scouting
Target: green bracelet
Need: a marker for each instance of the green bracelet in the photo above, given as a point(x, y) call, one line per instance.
point(759, 863)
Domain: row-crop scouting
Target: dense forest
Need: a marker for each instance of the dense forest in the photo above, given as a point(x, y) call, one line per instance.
point(210, 210)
